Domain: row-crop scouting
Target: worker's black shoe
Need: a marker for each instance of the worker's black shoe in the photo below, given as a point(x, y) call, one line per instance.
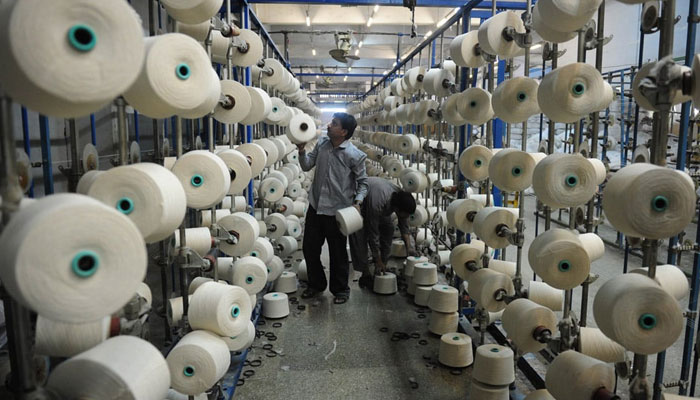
point(365, 281)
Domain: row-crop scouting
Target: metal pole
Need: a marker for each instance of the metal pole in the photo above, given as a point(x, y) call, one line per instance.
point(682, 143)
point(157, 156)
point(74, 159)
point(19, 339)
point(121, 129)
point(520, 225)
point(593, 153)
point(489, 125)
point(550, 138)
point(640, 387)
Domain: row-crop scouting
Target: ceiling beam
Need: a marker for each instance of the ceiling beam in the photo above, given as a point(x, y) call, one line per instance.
point(511, 5)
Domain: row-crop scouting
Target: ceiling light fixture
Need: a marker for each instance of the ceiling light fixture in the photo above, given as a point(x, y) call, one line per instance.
point(369, 22)
point(313, 52)
point(316, 76)
point(308, 20)
point(376, 8)
point(345, 79)
point(359, 45)
point(357, 51)
point(349, 69)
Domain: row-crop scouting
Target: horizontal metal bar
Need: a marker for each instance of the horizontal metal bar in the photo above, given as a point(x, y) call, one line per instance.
point(332, 93)
point(512, 5)
point(339, 74)
point(254, 18)
point(448, 24)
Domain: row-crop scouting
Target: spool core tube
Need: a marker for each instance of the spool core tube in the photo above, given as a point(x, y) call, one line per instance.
point(85, 263)
point(82, 37)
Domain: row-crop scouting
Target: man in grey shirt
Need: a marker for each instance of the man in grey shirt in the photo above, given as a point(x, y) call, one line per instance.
point(383, 199)
point(340, 181)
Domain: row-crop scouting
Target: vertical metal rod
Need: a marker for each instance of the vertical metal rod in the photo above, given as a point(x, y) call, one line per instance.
point(489, 125)
point(93, 130)
point(245, 17)
point(121, 129)
point(550, 137)
point(157, 156)
point(27, 143)
point(596, 115)
point(593, 153)
point(178, 136)
point(695, 280)
point(661, 118)
point(517, 282)
point(46, 164)
point(137, 136)
point(74, 159)
point(464, 76)
point(17, 317)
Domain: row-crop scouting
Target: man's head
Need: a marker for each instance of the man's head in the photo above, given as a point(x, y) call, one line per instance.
point(342, 126)
point(403, 204)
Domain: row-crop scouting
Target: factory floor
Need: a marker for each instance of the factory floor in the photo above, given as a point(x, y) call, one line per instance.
point(329, 351)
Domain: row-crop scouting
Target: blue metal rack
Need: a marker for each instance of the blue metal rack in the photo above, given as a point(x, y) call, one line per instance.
point(484, 5)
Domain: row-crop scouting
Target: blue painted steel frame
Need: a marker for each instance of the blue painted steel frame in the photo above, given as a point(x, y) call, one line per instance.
point(93, 130)
point(513, 5)
point(360, 75)
point(250, 16)
point(464, 8)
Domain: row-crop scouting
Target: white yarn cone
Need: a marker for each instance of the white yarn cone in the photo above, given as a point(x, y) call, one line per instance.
point(571, 92)
point(84, 55)
point(126, 365)
point(660, 202)
point(192, 12)
point(464, 51)
point(636, 312)
point(176, 79)
point(92, 258)
point(204, 176)
point(515, 100)
point(474, 106)
point(150, 195)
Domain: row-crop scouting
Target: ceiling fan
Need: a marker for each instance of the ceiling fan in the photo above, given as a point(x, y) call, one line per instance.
point(343, 45)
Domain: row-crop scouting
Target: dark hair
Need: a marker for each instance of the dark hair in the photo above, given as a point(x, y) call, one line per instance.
point(403, 201)
point(347, 122)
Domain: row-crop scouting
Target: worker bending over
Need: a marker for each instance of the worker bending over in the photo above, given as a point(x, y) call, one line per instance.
point(383, 199)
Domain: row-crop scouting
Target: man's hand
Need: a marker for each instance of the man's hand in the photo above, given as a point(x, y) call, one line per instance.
point(379, 265)
point(411, 251)
point(301, 147)
point(357, 207)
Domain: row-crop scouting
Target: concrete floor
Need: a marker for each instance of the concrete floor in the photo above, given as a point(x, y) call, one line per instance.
point(332, 351)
